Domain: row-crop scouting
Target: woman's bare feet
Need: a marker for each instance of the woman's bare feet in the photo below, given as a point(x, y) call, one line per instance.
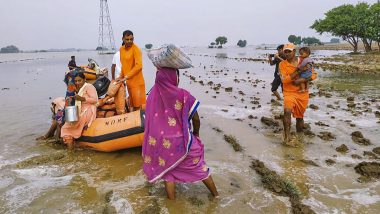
point(69, 141)
point(211, 186)
point(170, 189)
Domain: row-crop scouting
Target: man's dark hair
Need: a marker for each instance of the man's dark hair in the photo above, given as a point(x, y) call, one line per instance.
point(305, 49)
point(280, 47)
point(72, 57)
point(127, 33)
point(81, 75)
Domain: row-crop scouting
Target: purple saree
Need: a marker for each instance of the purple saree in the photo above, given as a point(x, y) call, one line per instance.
point(170, 150)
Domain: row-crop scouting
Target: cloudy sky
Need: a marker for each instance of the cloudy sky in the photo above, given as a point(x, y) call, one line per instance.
point(44, 24)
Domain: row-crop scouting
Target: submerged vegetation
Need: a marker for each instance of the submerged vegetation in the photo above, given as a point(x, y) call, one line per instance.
point(275, 183)
point(232, 140)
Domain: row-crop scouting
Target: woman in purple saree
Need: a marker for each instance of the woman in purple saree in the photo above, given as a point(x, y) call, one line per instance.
point(172, 150)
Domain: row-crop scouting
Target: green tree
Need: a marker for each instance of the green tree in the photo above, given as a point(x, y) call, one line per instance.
point(221, 40)
point(373, 30)
point(362, 20)
point(334, 40)
point(295, 39)
point(242, 43)
point(9, 49)
point(148, 46)
point(342, 21)
point(311, 41)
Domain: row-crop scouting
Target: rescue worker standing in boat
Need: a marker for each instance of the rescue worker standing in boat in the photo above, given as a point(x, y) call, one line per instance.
point(131, 71)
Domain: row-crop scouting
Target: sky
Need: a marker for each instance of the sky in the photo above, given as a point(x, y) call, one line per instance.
point(45, 24)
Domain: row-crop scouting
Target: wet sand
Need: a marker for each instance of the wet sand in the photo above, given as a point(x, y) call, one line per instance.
point(235, 95)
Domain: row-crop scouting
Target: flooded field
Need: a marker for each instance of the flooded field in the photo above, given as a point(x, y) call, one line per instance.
point(233, 86)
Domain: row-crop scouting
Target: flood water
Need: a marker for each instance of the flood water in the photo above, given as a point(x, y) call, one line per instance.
point(43, 177)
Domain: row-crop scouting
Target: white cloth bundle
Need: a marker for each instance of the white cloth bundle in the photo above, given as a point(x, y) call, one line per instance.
point(169, 56)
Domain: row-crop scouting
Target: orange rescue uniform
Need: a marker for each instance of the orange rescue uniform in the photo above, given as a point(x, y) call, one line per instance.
point(131, 67)
point(294, 100)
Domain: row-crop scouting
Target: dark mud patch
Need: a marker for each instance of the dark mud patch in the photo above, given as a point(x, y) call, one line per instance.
point(377, 114)
point(368, 170)
point(355, 156)
point(275, 183)
point(217, 129)
point(228, 89)
point(358, 138)
point(376, 150)
point(327, 136)
point(370, 155)
point(234, 143)
point(275, 102)
point(307, 130)
point(279, 116)
point(330, 162)
point(342, 148)
point(196, 201)
point(314, 107)
point(269, 121)
point(308, 133)
point(320, 123)
point(41, 159)
point(309, 162)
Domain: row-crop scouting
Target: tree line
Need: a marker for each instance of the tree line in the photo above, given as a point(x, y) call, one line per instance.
point(221, 40)
point(353, 23)
point(305, 40)
point(9, 49)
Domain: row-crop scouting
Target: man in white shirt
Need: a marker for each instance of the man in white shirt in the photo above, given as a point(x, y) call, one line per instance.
point(116, 66)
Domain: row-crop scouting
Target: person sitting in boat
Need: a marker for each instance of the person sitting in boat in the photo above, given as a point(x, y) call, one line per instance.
point(57, 108)
point(72, 64)
point(70, 83)
point(86, 99)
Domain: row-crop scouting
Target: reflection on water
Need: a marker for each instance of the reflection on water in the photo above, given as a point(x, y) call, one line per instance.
point(221, 55)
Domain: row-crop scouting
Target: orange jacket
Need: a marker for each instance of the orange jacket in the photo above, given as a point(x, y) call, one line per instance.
point(286, 69)
point(131, 66)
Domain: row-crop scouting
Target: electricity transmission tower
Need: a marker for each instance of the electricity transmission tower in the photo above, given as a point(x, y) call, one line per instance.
point(106, 43)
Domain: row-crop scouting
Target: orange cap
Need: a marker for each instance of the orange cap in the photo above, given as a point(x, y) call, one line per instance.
point(289, 46)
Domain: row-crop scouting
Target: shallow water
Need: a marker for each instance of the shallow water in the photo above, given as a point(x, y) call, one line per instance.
point(44, 177)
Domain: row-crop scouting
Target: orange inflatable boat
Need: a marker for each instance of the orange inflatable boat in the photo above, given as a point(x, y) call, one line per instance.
point(114, 133)
point(89, 73)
